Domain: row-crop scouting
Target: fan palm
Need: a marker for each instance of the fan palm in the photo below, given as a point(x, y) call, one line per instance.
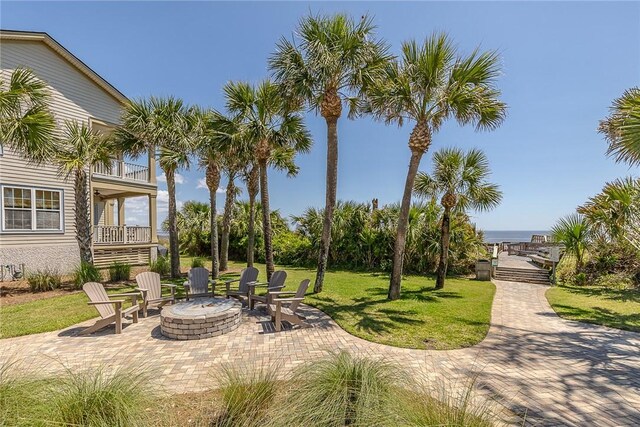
point(574, 232)
point(168, 126)
point(459, 179)
point(331, 61)
point(80, 150)
point(269, 127)
point(622, 127)
point(26, 124)
point(231, 167)
point(193, 223)
point(251, 176)
point(429, 84)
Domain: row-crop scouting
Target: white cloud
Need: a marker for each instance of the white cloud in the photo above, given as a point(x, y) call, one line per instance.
point(202, 183)
point(180, 179)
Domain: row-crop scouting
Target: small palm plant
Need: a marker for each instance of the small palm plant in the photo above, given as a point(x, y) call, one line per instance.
point(459, 179)
point(622, 127)
point(430, 84)
point(26, 124)
point(80, 151)
point(574, 232)
point(270, 126)
point(332, 61)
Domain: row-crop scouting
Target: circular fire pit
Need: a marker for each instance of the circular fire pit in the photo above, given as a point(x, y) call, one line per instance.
point(200, 318)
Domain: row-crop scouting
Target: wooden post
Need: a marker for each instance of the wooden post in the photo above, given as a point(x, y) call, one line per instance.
point(153, 217)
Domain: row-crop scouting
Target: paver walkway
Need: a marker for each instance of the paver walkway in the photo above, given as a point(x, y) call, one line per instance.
point(559, 372)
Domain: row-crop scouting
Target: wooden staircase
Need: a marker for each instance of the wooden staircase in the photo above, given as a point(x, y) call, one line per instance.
point(526, 275)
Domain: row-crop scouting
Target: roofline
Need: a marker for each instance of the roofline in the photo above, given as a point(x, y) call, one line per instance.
point(71, 58)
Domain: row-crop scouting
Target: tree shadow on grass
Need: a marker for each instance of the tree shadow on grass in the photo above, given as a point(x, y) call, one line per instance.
point(422, 294)
point(622, 295)
point(601, 316)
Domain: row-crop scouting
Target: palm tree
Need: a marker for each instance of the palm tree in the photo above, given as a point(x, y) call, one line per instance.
point(168, 126)
point(459, 180)
point(193, 223)
point(331, 62)
point(26, 124)
point(231, 169)
point(81, 149)
point(428, 85)
point(574, 232)
point(269, 126)
point(622, 127)
point(251, 176)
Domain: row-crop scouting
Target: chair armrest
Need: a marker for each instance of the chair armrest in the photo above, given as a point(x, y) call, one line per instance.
point(167, 285)
point(115, 301)
point(254, 284)
point(279, 300)
point(142, 289)
point(274, 289)
point(283, 293)
point(128, 294)
point(231, 281)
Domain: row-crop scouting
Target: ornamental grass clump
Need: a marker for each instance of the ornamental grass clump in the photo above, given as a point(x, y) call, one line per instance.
point(119, 272)
point(44, 280)
point(85, 273)
point(161, 266)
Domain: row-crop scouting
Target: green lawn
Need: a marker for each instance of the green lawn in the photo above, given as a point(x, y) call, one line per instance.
point(455, 317)
point(616, 308)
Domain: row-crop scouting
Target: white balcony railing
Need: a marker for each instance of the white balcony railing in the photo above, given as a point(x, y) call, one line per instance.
point(120, 235)
point(123, 170)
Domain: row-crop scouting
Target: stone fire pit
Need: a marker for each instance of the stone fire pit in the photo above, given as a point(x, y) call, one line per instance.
point(200, 318)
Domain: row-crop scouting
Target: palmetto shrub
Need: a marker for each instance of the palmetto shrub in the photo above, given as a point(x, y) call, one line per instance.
point(160, 265)
point(119, 271)
point(44, 280)
point(84, 273)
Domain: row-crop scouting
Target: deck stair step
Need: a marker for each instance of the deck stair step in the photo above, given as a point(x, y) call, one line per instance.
point(510, 274)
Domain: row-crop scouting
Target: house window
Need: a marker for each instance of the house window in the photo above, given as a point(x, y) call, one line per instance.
point(31, 209)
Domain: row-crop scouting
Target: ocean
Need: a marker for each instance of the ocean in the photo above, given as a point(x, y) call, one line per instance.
point(497, 236)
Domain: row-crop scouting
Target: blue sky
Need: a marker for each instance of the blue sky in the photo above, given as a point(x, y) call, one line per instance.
point(563, 64)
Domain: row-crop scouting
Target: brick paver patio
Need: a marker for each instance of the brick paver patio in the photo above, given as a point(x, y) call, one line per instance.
point(559, 372)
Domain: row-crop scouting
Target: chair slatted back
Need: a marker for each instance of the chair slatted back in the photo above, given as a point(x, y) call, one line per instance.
point(151, 281)
point(249, 274)
point(199, 280)
point(95, 292)
point(277, 279)
point(302, 289)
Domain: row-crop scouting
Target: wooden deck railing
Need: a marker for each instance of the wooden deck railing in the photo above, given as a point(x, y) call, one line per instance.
point(123, 170)
point(120, 235)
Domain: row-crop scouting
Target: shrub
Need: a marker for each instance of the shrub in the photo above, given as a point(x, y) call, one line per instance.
point(197, 262)
point(160, 265)
point(580, 279)
point(44, 280)
point(615, 280)
point(84, 273)
point(119, 271)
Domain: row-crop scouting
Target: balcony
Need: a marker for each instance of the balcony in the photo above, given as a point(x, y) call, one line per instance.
point(122, 170)
point(120, 235)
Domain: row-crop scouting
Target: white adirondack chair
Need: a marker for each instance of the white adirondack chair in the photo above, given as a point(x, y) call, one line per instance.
point(197, 283)
point(151, 288)
point(282, 309)
point(110, 310)
point(248, 275)
point(275, 284)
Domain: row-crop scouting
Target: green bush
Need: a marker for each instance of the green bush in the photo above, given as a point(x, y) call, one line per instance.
point(44, 280)
point(615, 280)
point(291, 248)
point(161, 265)
point(580, 279)
point(119, 271)
point(84, 273)
point(197, 262)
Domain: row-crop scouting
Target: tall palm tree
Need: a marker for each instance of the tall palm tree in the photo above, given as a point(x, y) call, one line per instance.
point(622, 127)
point(574, 232)
point(251, 177)
point(26, 124)
point(80, 150)
point(429, 84)
point(459, 179)
point(168, 126)
point(269, 125)
point(331, 61)
point(231, 169)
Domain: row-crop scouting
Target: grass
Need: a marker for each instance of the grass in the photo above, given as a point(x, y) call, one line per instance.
point(424, 318)
point(608, 306)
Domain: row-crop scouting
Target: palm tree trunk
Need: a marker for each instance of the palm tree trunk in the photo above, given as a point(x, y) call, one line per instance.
point(444, 248)
point(252, 189)
point(266, 218)
point(330, 202)
point(174, 248)
point(226, 222)
point(213, 182)
point(403, 221)
point(83, 216)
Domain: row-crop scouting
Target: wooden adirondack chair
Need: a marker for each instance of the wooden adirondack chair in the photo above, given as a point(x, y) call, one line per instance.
point(248, 275)
point(151, 288)
point(110, 310)
point(275, 284)
point(282, 309)
point(198, 282)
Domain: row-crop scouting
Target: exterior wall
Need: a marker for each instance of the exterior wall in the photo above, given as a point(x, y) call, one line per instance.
point(73, 97)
